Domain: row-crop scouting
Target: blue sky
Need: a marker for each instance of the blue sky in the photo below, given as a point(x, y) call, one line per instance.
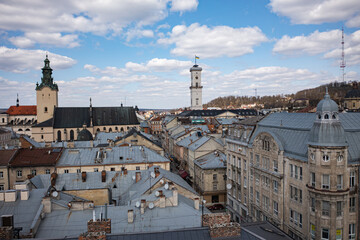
point(138, 52)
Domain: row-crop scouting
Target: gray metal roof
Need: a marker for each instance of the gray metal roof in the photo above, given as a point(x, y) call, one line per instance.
point(213, 160)
point(228, 121)
point(24, 211)
point(261, 230)
point(32, 141)
point(188, 140)
point(102, 137)
point(114, 155)
point(291, 131)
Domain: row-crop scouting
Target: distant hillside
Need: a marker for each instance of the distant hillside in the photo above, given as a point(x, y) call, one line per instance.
point(337, 92)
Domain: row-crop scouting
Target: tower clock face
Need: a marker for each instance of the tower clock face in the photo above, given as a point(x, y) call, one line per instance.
point(196, 77)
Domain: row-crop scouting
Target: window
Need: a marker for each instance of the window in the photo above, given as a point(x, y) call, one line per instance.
point(312, 156)
point(1, 174)
point(257, 197)
point(2, 187)
point(340, 158)
point(325, 181)
point(296, 172)
point(239, 194)
point(300, 173)
point(33, 172)
point(245, 198)
point(326, 158)
point(339, 211)
point(215, 186)
point(96, 170)
point(19, 173)
point(245, 182)
point(245, 167)
point(324, 234)
point(275, 163)
point(313, 179)
point(352, 231)
point(42, 136)
point(257, 160)
point(47, 171)
point(78, 170)
point(325, 208)
point(251, 194)
point(214, 177)
point(66, 171)
point(339, 181)
point(275, 186)
point(45, 109)
point(296, 194)
point(352, 205)
point(71, 135)
point(137, 168)
point(352, 179)
point(266, 145)
point(291, 170)
point(251, 158)
point(112, 169)
point(312, 204)
point(276, 208)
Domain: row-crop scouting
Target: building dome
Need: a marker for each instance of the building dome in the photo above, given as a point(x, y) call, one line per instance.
point(195, 68)
point(327, 104)
point(84, 135)
point(327, 129)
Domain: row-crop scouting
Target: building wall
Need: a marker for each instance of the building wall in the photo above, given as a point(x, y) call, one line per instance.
point(25, 171)
point(108, 168)
point(140, 141)
point(46, 98)
point(43, 134)
point(4, 178)
point(98, 196)
point(352, 103)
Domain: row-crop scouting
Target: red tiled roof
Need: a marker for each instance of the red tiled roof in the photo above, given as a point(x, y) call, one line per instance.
point(22, 110)
point(6, 156)
point(27, 157)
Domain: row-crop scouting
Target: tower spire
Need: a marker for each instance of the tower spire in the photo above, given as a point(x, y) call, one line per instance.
point(17, 99)
point(342, 64)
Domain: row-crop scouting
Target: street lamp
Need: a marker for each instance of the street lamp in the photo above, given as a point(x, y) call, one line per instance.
point(202, 212)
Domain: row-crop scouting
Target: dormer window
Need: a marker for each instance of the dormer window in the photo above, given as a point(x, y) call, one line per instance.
point(326, 116)
point(319, 116)
point(334, 116)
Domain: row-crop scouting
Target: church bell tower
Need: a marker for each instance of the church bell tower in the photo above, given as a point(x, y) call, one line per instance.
point(46, 94)
point(196, 88)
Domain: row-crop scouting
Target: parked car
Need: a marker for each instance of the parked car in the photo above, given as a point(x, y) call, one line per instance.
point(216, 206)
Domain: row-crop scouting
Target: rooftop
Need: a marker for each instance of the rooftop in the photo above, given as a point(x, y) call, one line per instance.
point(21, 110)
point(213, 160)
point(27, 157)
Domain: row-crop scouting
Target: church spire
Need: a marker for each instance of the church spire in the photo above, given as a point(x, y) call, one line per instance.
point(91, 115)
point(47, 79)
point(17, 99)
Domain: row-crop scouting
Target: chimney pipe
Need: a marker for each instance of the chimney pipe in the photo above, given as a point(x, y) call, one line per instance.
point(53, 179)
point(125, 171)
point(83, 176)
point(138, 176)
point(196, 203)
point(142, 206)
point(130, 216)
point(157, 172)
point(103, 176)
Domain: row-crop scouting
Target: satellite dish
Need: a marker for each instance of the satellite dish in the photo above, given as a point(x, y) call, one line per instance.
point(157, 193)
point(228, 186)
point(152, 174)
point(55, 194)
point(151, 205)
point(133, 177)
point(137, 204)
point(166, 186)
point(162, 181)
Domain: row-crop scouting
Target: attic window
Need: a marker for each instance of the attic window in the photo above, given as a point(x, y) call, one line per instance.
point(326, 116)
point(319, 116)
point(333, 116)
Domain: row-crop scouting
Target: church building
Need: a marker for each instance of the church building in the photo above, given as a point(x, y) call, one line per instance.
point(75, 123)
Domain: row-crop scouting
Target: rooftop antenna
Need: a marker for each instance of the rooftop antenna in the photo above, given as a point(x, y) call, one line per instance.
point(342, 63)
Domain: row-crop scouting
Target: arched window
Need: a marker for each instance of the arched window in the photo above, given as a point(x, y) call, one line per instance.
point(20, 130)
point(319, 116)
point(334, 116)
point(116, 129)
point(122, 129)
point(98, 130)
point(104, 128)
point(110, 130)
point(127, 128)
point(71, 135)
point(27, 130)
point(59, 136)
point(326, 116)
point(45, 109)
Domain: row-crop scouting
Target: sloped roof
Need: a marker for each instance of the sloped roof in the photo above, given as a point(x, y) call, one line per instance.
point(291, 131)
point(214, 112)
point(22, 110)
point(6, 156)
point(188, 140)
point(76, 117)
point(198, 143)
point(212, 160)
point(27, 157)
point(31, 141)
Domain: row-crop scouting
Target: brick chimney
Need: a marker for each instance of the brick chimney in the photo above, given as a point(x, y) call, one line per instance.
point(99, 225)
point(138, 176)
point(157, 172)
point(221, 226)
point(142, 206)
point(53, 178)
point(103, 176)
point(125, 171)
point(83, 176)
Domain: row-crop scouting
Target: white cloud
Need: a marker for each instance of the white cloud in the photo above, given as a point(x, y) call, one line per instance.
point(20, 60)
point(183, 5)
point(64, 21)
point(319, 11)
point(212, 42)
point(55, 39)
point(327, 43)
point(139, 33)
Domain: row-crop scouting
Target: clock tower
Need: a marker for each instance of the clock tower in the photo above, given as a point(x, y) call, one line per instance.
point(196, 88)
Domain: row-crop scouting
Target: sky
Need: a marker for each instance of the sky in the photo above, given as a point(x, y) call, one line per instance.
point(139, 52)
